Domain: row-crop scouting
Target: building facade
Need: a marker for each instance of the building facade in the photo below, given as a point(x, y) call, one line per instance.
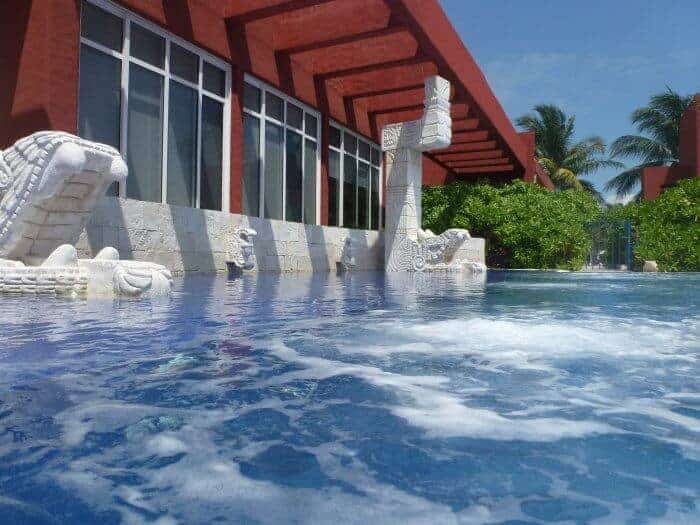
point(658, 178)
point(248, 113)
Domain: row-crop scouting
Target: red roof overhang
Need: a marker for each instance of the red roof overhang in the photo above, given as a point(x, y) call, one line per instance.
point(376, 55)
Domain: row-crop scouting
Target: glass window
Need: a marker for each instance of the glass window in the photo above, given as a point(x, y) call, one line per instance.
point(274, 170)
point(294, 182)
point(251, 165)
point(101, 27)
point(184, 64)
point(147, 46)
point(376, 156)
point(334, 137)
point(99, 115)
point(182, 145)
point(211, 197)
point(349, 192)
point(251, 98)
point(350, 144)
point(145, 135)
point(311, 125)
point(333, 187)
point(214, 79)
point(176, 157)
point(274, 107)
point(100, 96)
point(350, 168)
point(374, 199)
point(363, 196)
point(287, 170)
point(363, 151)
point(295, 116)
point(310, 182)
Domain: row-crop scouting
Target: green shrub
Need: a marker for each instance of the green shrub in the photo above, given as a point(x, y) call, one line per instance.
point(668, 228)
point(525, 226)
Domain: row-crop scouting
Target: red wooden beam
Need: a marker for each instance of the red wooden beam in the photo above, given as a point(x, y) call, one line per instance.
point(244, 11)
point(465, 124)
point(478, 155)
point(464, 137)
point(506, 168)
point(392, 75)
point(358, 53)
point(487, 145)
point(478, 163)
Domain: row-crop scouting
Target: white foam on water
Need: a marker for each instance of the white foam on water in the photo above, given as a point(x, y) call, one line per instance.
point(438, 411)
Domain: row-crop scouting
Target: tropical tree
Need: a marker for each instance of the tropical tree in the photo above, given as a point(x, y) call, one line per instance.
point(565, 159)
point(660, 120)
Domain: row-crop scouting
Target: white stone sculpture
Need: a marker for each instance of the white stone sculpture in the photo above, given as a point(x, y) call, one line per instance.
point(242, 256)
point(347, 258)
point(49, 184)
point(407, 247)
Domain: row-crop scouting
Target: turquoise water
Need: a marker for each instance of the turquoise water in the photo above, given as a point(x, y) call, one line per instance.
point(533, 398)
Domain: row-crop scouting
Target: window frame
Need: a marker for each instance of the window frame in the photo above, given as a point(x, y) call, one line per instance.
point(263, 118)
point(129, 18)
point(356, 155)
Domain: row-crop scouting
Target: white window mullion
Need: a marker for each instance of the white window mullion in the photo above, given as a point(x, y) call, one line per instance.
point(198, 174)
point(166, 106)
point(123, 135)
point(261, 144)
point(317, 175)
point(284, 162)
point(341, 183)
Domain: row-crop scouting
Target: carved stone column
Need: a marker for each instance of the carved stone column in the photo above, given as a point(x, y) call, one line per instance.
point(403, 144)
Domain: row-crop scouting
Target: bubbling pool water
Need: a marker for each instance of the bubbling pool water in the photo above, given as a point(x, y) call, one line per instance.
point(532, 398)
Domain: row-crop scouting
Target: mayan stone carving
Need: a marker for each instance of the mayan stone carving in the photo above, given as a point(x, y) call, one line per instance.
point(242, 256)
point(407, 247)
point(49, 185)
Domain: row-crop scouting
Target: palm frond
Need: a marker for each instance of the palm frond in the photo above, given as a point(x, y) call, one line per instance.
point(643, 148)
point(624, 183)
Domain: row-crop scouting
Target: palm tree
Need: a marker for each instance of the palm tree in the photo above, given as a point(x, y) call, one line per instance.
point(661, 121)
point(565, 160)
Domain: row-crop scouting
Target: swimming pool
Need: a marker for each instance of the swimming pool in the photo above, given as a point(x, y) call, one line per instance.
point(532, 398)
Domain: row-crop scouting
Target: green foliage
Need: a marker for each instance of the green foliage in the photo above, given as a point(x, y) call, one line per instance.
point(660, 120)
point(565, 160)
point(525, 226)
point(667, 229)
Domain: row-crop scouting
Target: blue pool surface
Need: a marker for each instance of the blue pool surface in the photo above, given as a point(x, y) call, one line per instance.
point(533, 398)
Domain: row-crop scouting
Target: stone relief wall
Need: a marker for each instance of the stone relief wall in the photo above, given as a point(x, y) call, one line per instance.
point(192, 240)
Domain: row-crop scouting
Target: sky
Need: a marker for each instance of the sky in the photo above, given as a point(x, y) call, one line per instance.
point(597, 60)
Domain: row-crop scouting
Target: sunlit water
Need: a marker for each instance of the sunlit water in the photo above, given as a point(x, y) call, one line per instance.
point(536, 398)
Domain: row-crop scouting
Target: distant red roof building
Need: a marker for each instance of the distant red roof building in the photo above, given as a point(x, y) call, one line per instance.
point(656, 179)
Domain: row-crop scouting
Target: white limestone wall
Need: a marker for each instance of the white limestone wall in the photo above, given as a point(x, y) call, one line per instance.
point(192, 240)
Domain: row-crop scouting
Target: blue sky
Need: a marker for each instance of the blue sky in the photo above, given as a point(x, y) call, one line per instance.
point(598, 60)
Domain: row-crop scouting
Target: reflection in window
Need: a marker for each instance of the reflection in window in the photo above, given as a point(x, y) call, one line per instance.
point(182, 145)
point(294, 176)
point(286, 170)
point(145, 135)
point(211, 197)
point(251, 165)
point(274, 174)
point(355, 182)
point(349, 192)
point(333, 187)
